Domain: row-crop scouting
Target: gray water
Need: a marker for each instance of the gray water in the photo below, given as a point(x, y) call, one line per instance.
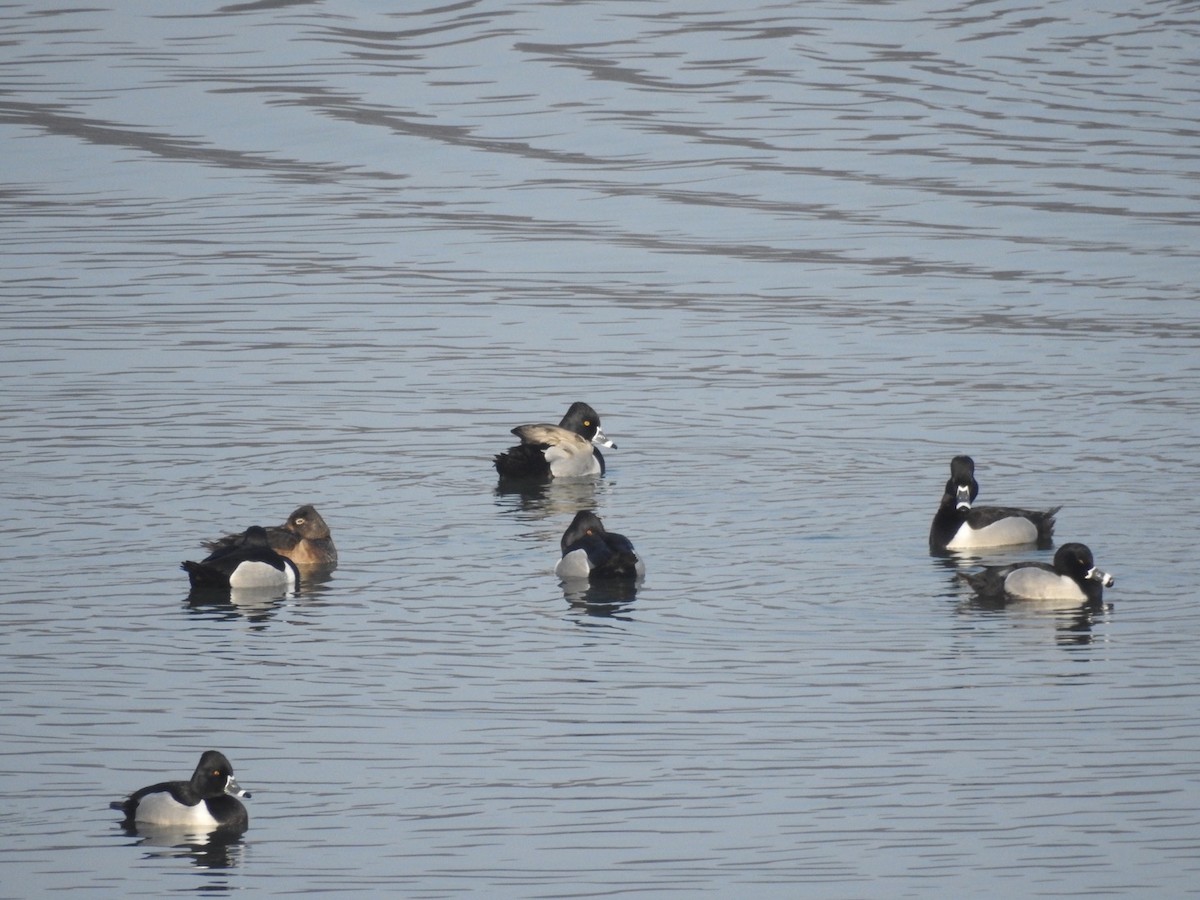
point(797, 255)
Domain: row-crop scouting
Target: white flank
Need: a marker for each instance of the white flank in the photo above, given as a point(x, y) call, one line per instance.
point(260, 574)
point(574, 565)
point(1038, 584)
point(163, 809)
point(999, 534)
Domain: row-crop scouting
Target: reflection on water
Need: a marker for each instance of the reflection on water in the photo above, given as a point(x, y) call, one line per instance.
point(220, 849)
point(611, 598)
point(257, 605)
point(1071, 626)
point(253, 604)
point(552, 498)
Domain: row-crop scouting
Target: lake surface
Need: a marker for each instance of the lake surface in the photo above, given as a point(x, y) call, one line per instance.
point(797, 255)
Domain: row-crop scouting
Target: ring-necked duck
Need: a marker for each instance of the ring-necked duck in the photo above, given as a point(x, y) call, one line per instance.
point(588, 551)
point(304, 539)
point(960, 526)
point(207, 802)
point(570, 448)
point(1073, 578)
point(248, 563)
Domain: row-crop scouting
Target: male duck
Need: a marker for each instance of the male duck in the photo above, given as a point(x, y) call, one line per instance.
point(304, 539)
point(588, 551)
point(570, 448)
point(959, 526)
point(208, 802)
point(1073, 578)
point(249, 562)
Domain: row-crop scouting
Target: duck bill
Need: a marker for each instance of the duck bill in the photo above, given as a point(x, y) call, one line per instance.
point(600, 438)
point(962, 499)
point(234, 789)
point(1103, 577)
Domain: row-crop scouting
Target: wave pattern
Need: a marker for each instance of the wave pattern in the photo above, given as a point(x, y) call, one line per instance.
point(797, 255)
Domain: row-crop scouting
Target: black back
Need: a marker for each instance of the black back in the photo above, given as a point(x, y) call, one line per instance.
point(250, 546)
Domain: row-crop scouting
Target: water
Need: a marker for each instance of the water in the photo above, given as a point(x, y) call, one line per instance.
point(798, 256)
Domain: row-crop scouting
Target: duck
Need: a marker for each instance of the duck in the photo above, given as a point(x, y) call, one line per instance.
point(589, 551)
point(1073, 578)
point(304, 539)
point(569, 449)
point(960, 526)
point(209, 801)
point(249, 562)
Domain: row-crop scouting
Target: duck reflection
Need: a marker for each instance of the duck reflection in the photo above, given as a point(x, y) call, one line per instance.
point(550, 497)
point(1075, 630)
point(1072, 627)
point(219, 849)
point(253, 604)
point(258, 605)
point(601, 599)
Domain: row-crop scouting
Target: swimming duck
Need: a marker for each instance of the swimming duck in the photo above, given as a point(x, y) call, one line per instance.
point(248, 563)
point(570, 448)
point(1073, 578)
point(304, 539)
point(207, 802)
point(960, 526)
point(588, 551)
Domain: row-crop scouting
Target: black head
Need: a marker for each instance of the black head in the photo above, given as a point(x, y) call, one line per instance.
point(962, 486)
point(585, 524)
point(1076, 561)
point(581, 419)
point(214, 776)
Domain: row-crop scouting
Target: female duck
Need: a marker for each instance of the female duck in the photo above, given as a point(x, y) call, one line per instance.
point(208, 802)
point(1073, 578)
point(248, 563)
point(588, 551)
point(960, 526)
point(568, 449)
point(304, 539)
